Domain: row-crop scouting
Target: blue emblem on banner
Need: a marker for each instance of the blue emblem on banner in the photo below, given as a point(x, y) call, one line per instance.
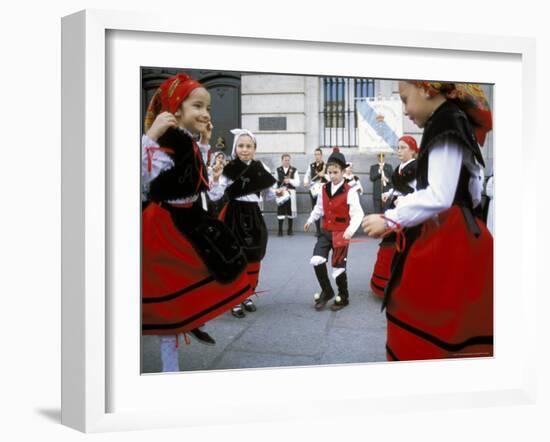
point(381, 128)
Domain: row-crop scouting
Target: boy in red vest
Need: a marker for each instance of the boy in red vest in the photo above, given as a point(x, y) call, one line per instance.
point(341, 211)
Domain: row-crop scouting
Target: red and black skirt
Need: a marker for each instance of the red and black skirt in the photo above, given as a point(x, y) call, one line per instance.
point(179, 290)
point(382, 267)
point(442, 305)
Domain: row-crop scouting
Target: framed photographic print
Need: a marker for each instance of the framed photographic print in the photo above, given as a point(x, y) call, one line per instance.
point(304, 88)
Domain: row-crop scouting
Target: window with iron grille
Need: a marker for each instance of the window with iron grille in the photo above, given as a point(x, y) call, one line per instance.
point(338, 113)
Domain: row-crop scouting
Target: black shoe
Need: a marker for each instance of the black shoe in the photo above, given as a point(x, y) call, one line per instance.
point(339, 303)
point(202, 336)
point(322, 301)
point(320, 305)
point(249, 305)
point(280, 233)
point(238, 312)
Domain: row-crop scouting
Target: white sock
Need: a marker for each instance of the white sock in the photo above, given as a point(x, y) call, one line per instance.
point(169, 354)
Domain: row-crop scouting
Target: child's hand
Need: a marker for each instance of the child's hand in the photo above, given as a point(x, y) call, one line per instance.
point(374, 225)
point(163, 121)
point(347, 236)
point(206, 134)
point(217, 171)
point(306, 227)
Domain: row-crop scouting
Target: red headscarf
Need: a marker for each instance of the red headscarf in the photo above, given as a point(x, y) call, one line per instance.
point(470, 98)
point(169, 96)
point(411, 142)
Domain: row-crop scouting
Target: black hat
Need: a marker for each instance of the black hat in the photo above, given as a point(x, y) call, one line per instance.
point(337, 157)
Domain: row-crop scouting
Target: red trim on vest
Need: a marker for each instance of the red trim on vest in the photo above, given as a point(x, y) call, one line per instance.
point(336, 210)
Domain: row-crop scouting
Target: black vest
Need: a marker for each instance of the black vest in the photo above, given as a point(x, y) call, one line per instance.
point(247, 179)
point(448, 122)
point(314, 169)
point(281, 175)
point(401, 179)
point(188, 177)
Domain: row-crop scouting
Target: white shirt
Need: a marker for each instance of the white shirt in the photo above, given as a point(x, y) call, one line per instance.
point(217, 190)
point(445, 162)
point(355, 210)
point(154, 161)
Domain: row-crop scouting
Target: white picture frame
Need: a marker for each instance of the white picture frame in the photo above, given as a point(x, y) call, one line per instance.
point(92, 371)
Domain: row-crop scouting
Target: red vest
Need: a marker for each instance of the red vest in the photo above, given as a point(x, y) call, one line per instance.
point(336, 209)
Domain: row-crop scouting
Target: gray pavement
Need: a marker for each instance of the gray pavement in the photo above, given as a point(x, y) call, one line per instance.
point(286, 330)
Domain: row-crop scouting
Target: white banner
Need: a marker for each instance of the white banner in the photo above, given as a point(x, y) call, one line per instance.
point(380, 124)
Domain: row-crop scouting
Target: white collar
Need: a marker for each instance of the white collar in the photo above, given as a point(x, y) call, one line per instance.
point(335, 187)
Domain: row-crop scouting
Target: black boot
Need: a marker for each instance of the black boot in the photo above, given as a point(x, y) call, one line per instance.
point(326, 289)
point(343, 295)
point(289, 231)
point(281, 221)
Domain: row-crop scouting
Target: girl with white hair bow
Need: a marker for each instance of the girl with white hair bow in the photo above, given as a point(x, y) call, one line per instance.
point(242, 186)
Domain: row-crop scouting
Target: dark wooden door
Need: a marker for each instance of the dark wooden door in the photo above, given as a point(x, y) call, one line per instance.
point(224, 88)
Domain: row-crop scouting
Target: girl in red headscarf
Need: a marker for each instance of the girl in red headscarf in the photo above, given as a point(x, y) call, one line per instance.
point(403, 182)
point(193, 268)
point(439, 300)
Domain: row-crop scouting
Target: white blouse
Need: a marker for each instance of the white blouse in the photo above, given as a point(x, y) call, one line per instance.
point(445, 162)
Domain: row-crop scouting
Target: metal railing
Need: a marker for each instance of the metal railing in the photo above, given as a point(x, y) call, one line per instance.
point(338, 116)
